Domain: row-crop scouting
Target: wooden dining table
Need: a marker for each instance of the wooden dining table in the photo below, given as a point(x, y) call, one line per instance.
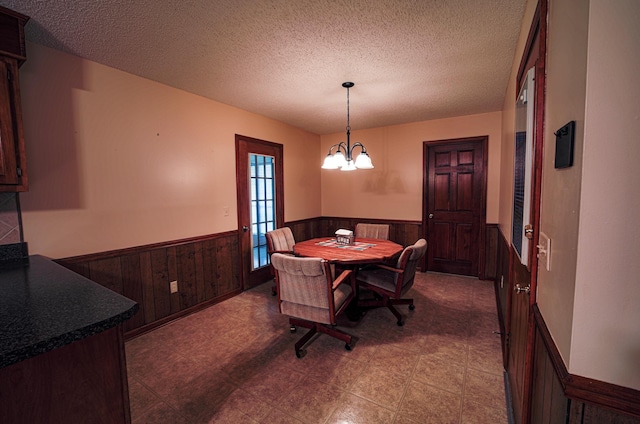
point(363, 251)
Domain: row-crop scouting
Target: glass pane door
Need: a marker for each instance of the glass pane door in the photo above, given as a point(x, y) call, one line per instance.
point(262, 191)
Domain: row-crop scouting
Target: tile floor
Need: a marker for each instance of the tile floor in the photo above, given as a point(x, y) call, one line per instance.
point(234, 362)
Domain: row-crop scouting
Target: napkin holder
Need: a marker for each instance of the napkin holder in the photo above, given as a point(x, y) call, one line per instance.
point(344, 237)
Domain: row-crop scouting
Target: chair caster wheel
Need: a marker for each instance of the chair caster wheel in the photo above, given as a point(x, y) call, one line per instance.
point(347, 346)
point(412, 307)
point(400, 323)
point(292, 329)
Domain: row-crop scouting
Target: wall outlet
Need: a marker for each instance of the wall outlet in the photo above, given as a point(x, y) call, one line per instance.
point(173, 286)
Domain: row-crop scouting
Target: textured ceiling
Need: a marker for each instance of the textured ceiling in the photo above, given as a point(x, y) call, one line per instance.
point(287, 59)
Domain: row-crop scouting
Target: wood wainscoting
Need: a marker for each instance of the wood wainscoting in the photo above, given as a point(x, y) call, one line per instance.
point(560, 397)
point(404, 233)
point(401, 232)
point(206, 268)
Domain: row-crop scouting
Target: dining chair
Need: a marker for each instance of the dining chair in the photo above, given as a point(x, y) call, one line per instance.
point(389, 283)
point(280, 240)
point(311, 297)
point(375, 231)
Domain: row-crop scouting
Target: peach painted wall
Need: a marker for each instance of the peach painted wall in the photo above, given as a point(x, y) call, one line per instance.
point(605, 342)
point(560, 204)
point(116, 160)
point(393, 189)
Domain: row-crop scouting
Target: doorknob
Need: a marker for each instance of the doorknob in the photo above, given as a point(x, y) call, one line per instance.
point(519, 289)
point(430, 216)
point(528, 231)
point(245, 228)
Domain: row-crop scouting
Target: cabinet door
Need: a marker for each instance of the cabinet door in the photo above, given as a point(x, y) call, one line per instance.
point(12, 160)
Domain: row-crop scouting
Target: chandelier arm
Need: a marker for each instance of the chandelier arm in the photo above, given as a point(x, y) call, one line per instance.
point(364, 150)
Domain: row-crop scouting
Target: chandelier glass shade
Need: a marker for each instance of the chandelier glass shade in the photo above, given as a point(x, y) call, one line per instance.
point(343, 157)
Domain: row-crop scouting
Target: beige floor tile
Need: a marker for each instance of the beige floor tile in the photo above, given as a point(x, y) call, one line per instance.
point(396, 360)
point(440, 373)
point(161, 413)
point(484, 388)
point(354, 409)
point(427, 404)
point(234, 362)
point(278, 417)
point(476, 413)
point(311, 401)
point(382, 387)
point(141, 399)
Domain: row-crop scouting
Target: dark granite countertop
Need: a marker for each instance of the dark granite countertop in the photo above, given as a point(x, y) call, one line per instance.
point(44, 306)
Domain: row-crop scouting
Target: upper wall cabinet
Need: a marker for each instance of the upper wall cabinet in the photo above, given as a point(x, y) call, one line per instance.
point(13, 162)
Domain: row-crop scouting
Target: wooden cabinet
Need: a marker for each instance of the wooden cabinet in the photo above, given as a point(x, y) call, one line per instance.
point(13, 163)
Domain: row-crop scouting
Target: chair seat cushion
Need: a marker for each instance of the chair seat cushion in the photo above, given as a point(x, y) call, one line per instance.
point(378, 277)
point(382, 278)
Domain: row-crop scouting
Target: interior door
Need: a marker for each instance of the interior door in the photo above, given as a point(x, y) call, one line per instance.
point(259, 176)
point(455, 201)
point(526, 217)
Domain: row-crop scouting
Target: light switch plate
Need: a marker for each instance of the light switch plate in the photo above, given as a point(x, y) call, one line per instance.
point(544, 250)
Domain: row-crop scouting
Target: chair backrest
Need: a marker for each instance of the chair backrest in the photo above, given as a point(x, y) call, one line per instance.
point(280, 240)
point(376, 231)
point(408, 261)
point(304, 287)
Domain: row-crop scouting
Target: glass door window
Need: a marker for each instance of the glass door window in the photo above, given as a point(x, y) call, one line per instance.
point(262, 189)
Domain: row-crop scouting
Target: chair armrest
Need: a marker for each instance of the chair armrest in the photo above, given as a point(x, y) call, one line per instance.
point(346, 274)
point(389, 268)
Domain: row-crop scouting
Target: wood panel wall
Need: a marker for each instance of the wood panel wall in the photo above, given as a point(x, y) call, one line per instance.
point(560, 397)
point(207, 270)
point(401, 232)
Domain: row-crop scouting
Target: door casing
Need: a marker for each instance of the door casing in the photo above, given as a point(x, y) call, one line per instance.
point(245, 146)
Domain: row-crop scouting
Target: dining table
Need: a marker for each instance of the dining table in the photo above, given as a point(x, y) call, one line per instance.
point(362, 251)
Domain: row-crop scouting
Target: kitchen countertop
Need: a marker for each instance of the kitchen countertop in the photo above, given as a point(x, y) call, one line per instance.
point(44, 306)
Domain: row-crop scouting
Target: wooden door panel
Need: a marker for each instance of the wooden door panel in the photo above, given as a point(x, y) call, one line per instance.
point(441, 231)
point(464, 192)
point(442, 190)
point(464, 234)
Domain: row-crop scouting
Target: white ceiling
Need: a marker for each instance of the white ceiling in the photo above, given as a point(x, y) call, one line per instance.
point(287, 59)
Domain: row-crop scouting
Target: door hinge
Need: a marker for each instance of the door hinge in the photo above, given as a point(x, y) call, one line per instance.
point(19, 172)
point(9, 75)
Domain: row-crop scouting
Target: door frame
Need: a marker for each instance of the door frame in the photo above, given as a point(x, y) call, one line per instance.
point(245, 146)
point(536, 44)
point(483, 141)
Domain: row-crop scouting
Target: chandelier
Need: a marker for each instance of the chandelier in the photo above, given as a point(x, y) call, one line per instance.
point(343, 157)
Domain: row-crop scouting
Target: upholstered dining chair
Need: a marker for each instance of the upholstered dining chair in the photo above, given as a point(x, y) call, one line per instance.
point(388, 283)
point(310, 296)
point(375, 231)
point(280, 240)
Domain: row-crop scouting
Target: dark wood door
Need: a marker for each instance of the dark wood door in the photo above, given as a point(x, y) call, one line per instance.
point(259, 176)
point(455, 202)
point(524, 261)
